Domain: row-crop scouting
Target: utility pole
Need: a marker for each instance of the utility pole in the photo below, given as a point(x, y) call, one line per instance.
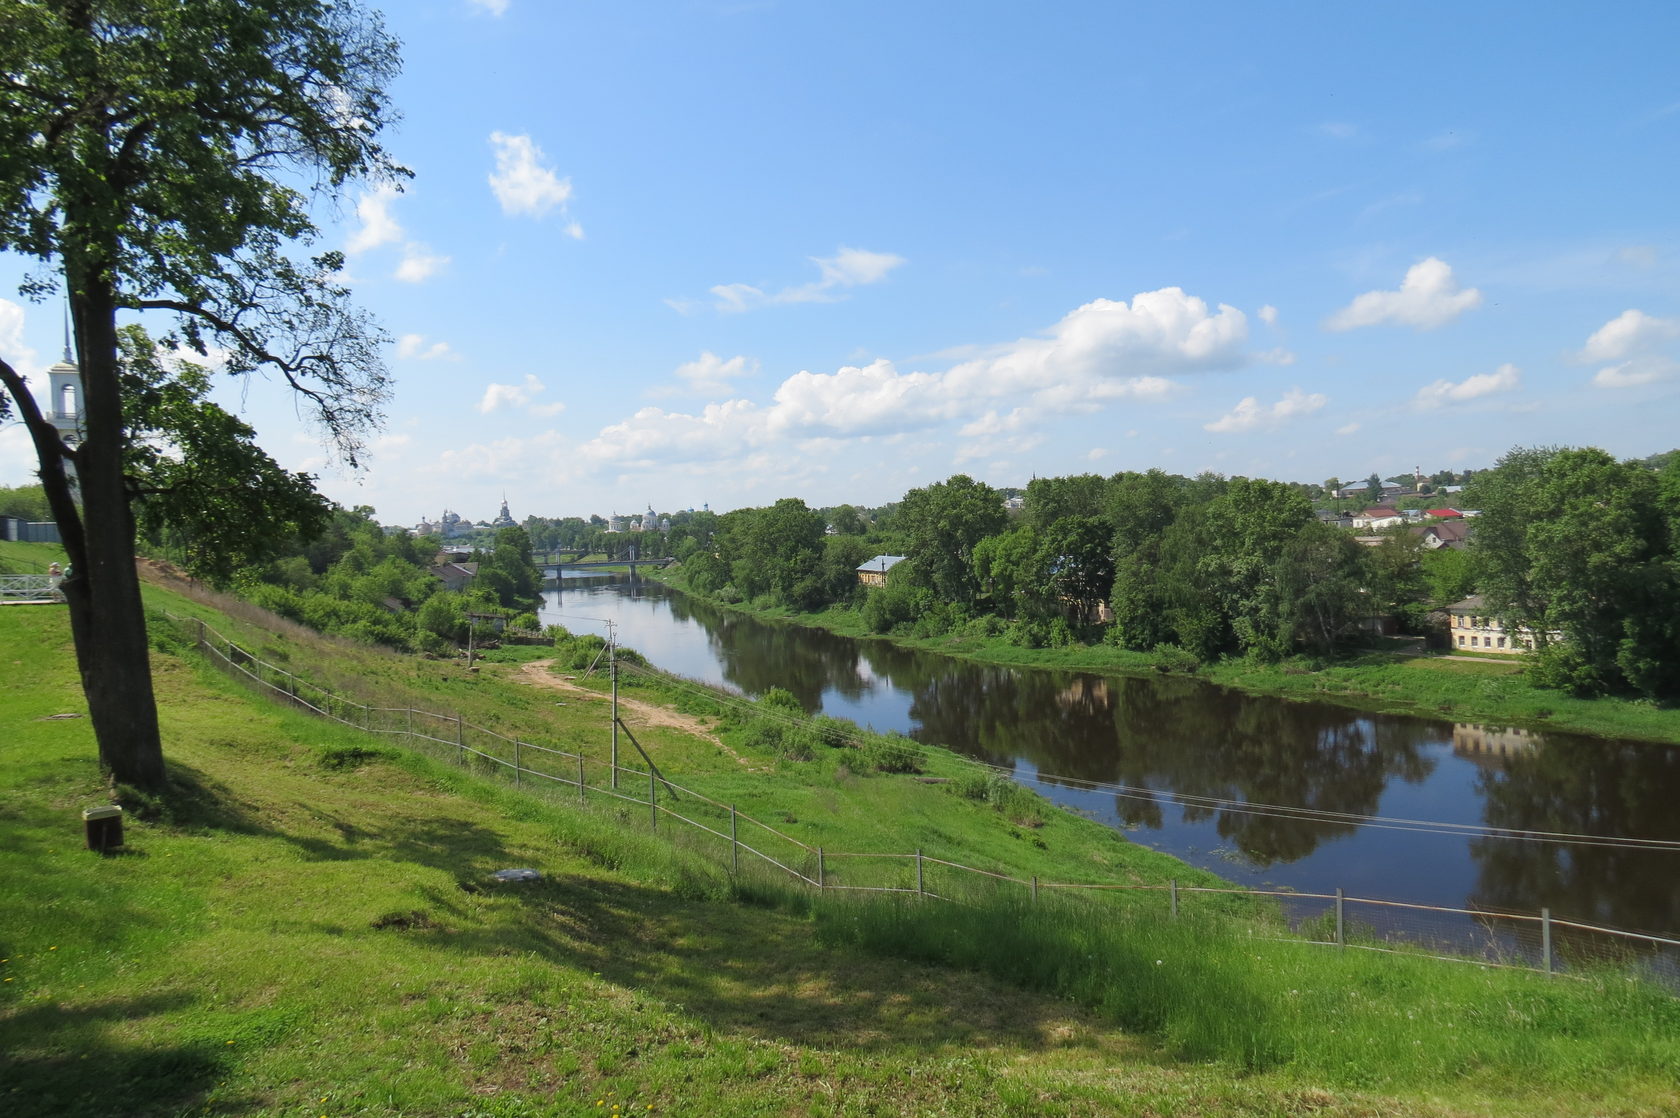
point(612, 670)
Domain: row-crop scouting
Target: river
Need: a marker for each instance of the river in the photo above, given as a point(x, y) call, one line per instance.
point(1196, 770)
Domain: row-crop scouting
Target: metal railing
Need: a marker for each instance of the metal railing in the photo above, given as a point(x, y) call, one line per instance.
point(29, 588)
point(1526, 940)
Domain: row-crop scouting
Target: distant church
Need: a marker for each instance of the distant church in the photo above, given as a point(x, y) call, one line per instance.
point(504, 519)
point(64, 410)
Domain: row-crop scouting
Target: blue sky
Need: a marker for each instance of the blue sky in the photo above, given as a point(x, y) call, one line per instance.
point(709, 252)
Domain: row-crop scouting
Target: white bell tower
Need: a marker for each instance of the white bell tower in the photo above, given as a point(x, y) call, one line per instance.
point(64, 385)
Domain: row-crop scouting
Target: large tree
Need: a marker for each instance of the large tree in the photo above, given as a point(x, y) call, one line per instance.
point(943, 523)
point(1574, 542)
point(161, 156)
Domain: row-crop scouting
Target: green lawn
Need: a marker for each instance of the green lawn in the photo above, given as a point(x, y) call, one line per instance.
point(308, 924)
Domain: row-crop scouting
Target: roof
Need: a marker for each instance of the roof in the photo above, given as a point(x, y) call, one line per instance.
point(1443, 514)
point(1475, 603)
point(881, 563)
point(1381, 510)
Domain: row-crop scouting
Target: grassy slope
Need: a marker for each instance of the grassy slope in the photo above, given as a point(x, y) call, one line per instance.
point(1469, 690)
point(315, 931)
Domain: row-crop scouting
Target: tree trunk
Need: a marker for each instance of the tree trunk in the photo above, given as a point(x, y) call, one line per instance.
point(107, 617)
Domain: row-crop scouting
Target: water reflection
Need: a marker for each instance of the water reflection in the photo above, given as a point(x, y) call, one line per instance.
point(1582, 786)
point(1165, 740)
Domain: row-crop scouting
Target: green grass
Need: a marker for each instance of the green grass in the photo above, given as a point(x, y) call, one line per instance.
point(28, 558)
point(307, 925)
point(1211, 989)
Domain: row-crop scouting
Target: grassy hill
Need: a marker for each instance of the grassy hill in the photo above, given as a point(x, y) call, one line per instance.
point(309, 924)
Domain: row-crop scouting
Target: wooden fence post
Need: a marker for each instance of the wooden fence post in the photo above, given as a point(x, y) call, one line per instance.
point(734, 843)
point(1035, 888)
point(460, 739)
point(819, 869)
point(1173, 885)
point(1341, 928)
point(581, 798)
point(653, 799)
point(516, 762)
point(920, 891)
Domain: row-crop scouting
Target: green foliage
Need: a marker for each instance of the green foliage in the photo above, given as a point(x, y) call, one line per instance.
point(896, 605)
point(201, 486)
point(1575, 542)
point(944, 523)
point(26, 502)
point(1170, 658)
point(893, 753)
point(578, 653)
point(781, 699)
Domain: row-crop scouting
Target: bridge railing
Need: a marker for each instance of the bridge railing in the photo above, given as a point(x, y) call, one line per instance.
point(29, 588)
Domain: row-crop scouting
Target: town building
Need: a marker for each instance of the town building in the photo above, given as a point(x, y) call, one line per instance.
point(1472, 625)
point(874, 572)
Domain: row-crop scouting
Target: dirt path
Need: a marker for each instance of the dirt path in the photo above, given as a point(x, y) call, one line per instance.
point(651, 714)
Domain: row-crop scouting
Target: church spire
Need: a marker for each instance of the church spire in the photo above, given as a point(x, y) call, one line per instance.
point(68, 359)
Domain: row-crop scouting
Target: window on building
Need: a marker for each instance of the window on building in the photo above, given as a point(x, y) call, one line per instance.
point(1501, 642)
point(1461, 640)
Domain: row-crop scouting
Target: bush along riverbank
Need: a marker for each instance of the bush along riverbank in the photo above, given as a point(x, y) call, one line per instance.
point(1484, 690)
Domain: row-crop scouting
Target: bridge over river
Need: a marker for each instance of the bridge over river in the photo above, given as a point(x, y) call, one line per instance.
point(551, 567)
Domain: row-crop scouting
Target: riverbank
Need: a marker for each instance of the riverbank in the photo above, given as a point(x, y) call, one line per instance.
point(1485, 691)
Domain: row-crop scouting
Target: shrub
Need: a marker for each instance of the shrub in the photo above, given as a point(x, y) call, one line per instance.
point(1173, 658)
point(893, 753)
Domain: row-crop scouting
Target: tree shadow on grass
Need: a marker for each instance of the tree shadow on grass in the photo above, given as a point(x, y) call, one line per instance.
point(762, 973)
point(64, 1060)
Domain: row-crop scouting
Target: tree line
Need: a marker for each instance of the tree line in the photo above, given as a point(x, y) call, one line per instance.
point(1573, 546)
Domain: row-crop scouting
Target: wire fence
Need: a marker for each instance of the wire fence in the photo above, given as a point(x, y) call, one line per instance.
point(1538, 941)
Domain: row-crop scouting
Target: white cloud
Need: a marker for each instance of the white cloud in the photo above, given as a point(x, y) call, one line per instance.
point(414, 345)
point(20, 356)
point(511, 395)
point(1631, 332)
point(1635, 341)
point(1250, 413)
point(653, 436)
point(711, 373)
point(1348, 429)
point(17, 450)
point(419, 263)
point(378, 226)
point(847, 268)
point(1506, 378)
point(1105, 351)
point(1267, 314)
point(493, 7)
point(1429, 296)
point(853, 266)
point(523, 186)
point(1276, 356)
point(1636, 372)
